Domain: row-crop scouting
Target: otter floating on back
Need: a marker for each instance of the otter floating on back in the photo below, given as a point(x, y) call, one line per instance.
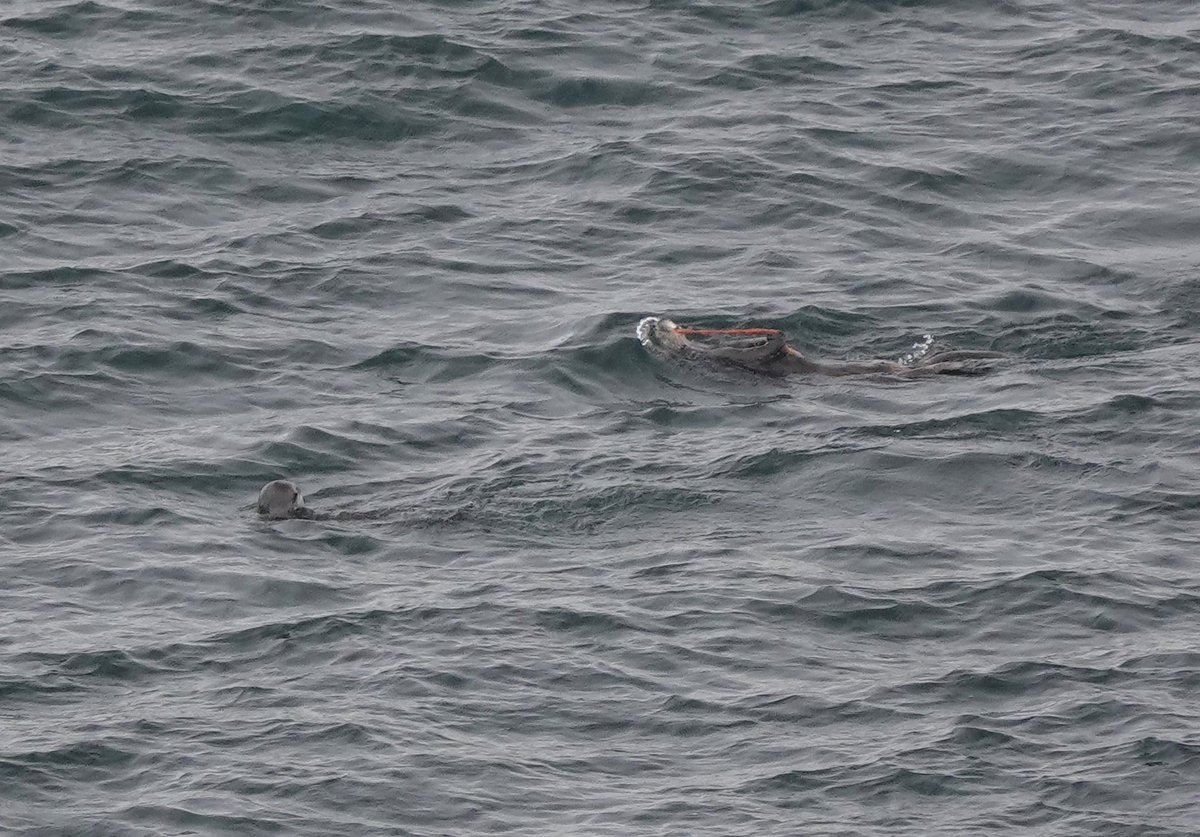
point(765, 351)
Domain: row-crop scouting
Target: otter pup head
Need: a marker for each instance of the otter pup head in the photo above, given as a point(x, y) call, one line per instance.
point(280, 500)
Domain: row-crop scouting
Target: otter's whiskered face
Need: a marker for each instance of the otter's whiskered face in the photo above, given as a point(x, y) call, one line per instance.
point(659, 333)
point(280, 500)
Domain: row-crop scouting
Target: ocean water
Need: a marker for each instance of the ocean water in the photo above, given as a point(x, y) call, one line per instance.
point(396, 252)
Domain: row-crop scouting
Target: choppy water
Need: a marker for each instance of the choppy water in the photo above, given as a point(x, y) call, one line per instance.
point(397, 252)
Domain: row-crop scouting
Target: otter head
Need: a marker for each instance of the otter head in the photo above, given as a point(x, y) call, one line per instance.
point(659, 333)
point(280, 499)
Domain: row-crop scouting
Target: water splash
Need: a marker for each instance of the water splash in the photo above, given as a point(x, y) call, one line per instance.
point(918, 351)
point(645, 328)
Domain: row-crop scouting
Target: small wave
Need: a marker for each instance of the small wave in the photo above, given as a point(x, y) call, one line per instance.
point(83, 18)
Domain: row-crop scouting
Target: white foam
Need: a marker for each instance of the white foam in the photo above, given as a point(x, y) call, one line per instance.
point(917, 352)
point(646, 328)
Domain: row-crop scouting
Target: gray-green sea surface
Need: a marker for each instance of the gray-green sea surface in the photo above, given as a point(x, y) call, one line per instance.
point(396, 252)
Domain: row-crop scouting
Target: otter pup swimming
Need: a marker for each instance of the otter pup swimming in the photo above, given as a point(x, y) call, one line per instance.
point(766, 352)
